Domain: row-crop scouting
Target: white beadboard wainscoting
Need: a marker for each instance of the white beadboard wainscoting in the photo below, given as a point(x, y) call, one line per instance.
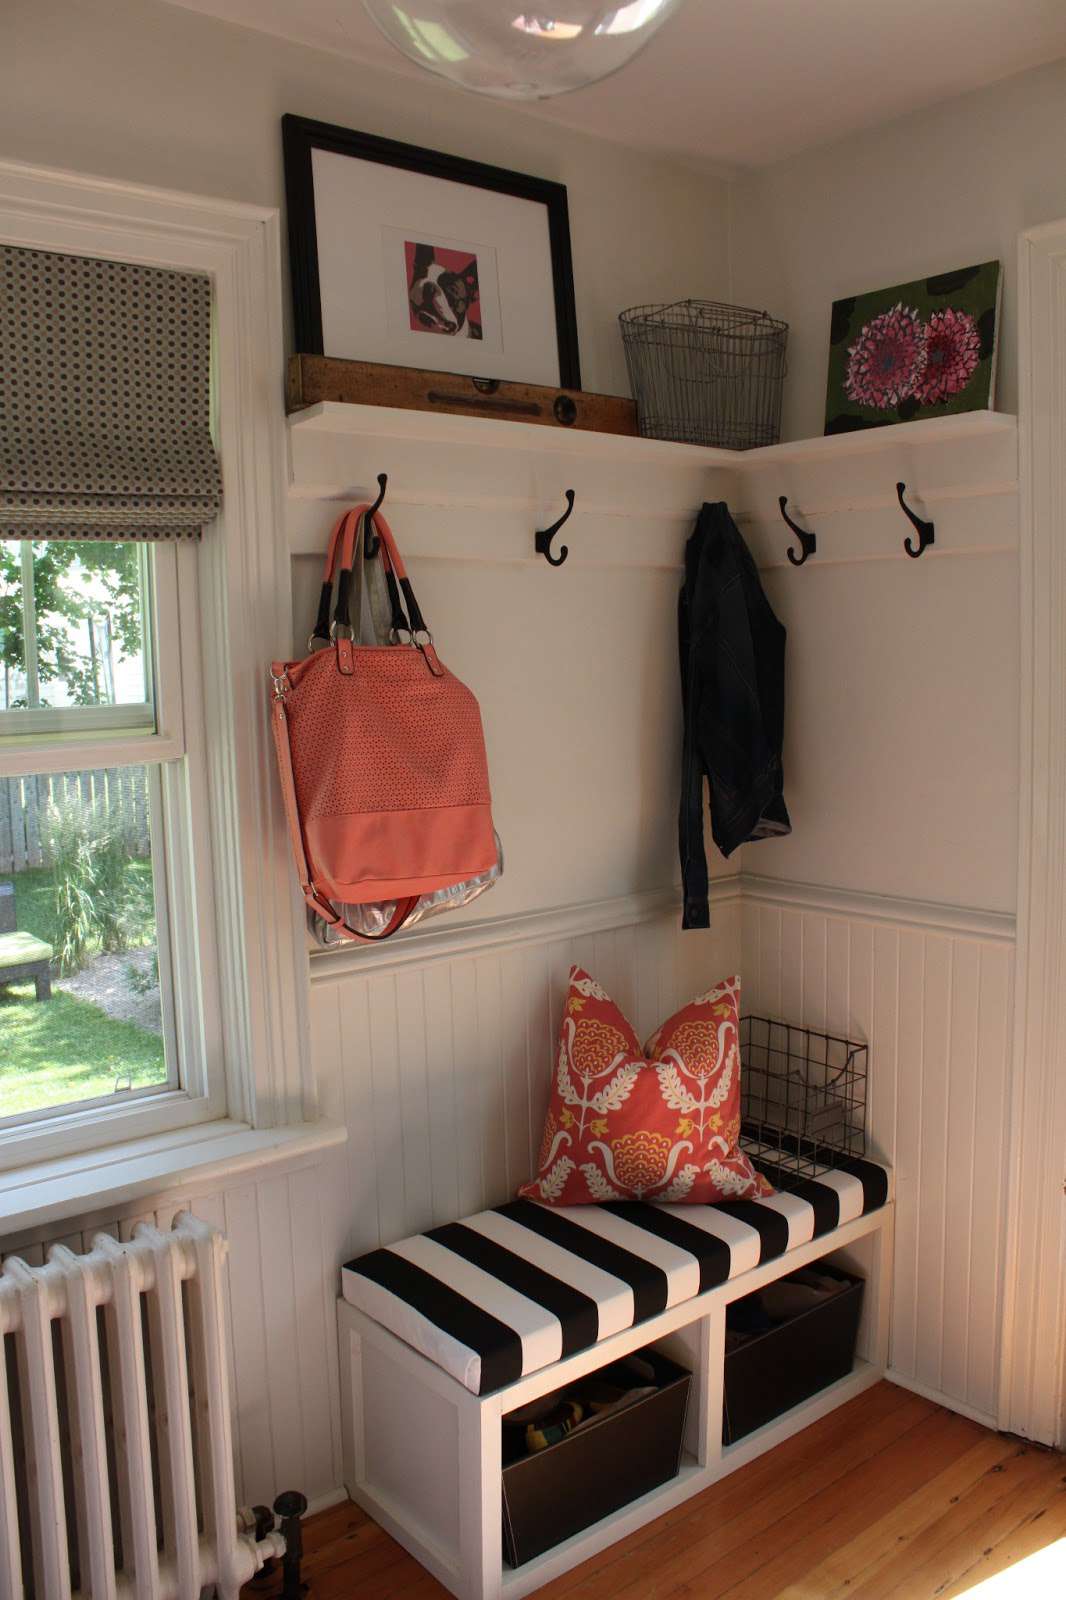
point(437, 1055)
point(930, 988)
point(441, 1067)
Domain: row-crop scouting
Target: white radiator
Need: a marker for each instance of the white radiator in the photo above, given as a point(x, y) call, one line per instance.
point(116, 1461)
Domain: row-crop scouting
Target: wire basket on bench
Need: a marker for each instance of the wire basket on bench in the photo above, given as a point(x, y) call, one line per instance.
point(803, 1097)
point(706, 373)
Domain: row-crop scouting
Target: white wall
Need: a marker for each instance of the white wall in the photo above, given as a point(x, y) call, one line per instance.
point(909, 671)
point(942, 188)
point(902, 760)
point(151, 93)
point(901, 742)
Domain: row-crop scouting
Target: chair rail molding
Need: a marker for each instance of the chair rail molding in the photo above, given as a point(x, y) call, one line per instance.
point(857, 905)
point(245, 593)
point(422, 945)
point(1033, 1352)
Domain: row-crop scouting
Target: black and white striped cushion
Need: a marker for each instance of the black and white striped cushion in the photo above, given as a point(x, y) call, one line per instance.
point(509, 1291)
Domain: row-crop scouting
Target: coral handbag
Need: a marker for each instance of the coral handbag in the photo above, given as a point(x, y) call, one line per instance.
point(381, 754)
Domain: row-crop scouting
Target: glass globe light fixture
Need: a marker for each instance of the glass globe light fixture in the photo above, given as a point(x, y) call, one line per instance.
point(516, 51)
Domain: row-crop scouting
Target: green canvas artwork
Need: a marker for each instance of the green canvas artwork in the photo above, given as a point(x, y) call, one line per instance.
point(920, 349)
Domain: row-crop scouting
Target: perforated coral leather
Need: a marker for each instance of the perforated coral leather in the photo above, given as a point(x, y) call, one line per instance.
point(388, 737)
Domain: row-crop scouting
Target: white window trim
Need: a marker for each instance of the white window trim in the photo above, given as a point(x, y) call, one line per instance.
point(258, 984)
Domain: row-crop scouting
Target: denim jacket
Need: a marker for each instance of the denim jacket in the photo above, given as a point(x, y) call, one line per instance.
point(733, 698)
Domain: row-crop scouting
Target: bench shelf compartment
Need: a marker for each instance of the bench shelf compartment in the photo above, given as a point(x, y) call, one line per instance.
point(778, 1369)
point(423, 1453)
point(598, 1469)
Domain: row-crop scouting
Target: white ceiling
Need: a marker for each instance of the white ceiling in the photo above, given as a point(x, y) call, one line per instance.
point(740, 83)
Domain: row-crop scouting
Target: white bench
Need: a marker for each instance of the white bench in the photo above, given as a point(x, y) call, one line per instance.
point(442, 1334)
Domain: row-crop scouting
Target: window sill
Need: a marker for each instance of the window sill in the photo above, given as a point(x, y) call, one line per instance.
point(48, 1191)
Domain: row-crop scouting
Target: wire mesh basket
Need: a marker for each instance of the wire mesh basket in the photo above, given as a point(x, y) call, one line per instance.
point(706, 373)
point(803, 1097)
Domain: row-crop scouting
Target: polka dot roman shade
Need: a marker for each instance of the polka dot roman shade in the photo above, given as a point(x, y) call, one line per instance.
point(105, 426)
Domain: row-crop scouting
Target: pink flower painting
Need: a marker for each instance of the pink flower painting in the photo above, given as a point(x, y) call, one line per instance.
point(953, 349)
point(888, 359)
point(911, 351)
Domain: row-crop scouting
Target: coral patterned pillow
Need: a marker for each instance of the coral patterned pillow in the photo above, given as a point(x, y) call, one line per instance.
point(660, 1123)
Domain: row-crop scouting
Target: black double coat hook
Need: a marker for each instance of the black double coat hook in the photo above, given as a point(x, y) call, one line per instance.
point(926, 531)
point(808, 541)
point(542, 541)
point(370, 545)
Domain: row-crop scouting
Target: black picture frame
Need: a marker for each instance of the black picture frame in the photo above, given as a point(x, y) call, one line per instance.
point(301, 136)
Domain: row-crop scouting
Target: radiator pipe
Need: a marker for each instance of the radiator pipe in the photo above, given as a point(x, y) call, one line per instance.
point(290, 1507)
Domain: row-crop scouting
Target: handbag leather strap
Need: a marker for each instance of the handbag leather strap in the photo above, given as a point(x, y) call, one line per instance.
point(344, 543)
point(371, 602)
point(346, 540)
point(325, 599)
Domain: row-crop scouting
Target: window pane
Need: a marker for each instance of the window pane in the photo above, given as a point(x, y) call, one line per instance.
point(13, 687)
point(80, 1011)
point(73, 624)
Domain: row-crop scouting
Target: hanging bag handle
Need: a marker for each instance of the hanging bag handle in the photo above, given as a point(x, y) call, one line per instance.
point(342, 563)
point(370, 599)
point(380, 576)
point(400, 592)
point(351, 576)
point(342, 542)
point(320, 631)
point(397, 580)
point(396, 573)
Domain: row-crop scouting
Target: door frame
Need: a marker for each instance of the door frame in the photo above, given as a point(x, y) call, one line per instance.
point(1033, 1343)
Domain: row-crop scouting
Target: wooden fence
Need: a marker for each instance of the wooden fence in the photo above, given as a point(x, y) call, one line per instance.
point(117, 794)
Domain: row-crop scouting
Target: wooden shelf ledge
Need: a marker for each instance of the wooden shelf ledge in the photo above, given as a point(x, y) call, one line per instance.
point(874, 441)
point(336, 418)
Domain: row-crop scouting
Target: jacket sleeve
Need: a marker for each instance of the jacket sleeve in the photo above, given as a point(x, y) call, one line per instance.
point(697, 911)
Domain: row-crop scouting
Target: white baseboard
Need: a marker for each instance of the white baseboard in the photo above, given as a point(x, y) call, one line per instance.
point(323, 1502)
point(940, 1398)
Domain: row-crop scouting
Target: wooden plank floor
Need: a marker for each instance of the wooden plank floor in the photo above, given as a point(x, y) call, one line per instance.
point(889, 1498)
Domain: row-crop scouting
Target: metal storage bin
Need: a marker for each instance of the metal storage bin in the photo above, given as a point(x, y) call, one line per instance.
point(779, 1369)
point(596, 1470)
point(803, 1097)
point(706, 373)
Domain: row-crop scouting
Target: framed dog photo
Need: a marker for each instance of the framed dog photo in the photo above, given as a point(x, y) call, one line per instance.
point(418, 259)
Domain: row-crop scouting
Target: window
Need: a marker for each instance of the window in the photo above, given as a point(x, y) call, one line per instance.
point(100, 794)
point(74, 625)
point(132, 389)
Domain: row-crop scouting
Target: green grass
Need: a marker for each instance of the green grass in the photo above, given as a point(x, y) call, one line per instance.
point(64, 1050)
